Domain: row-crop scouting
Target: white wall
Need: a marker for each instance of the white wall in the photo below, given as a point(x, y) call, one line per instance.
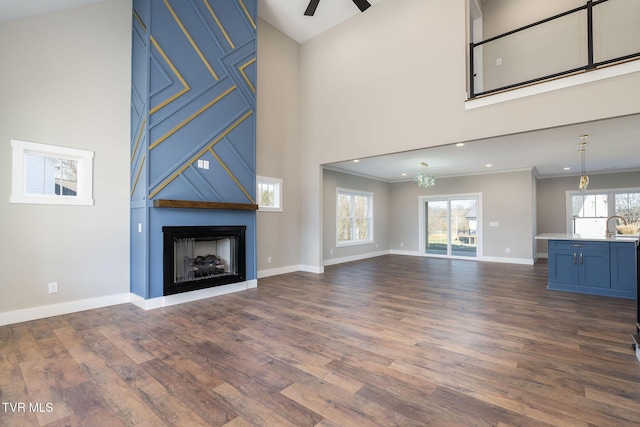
point(393, 79)
point(500, 16)
point(507, 199)
point(333, 180)
point(65, 81)
point(278, 152)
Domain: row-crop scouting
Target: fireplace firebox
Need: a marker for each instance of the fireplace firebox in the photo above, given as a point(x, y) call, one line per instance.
point(199, 257)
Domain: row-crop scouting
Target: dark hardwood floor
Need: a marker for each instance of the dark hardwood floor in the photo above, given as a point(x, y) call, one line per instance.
point(393, 341)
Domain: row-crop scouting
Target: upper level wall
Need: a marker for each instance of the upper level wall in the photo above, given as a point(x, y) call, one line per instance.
point(556, 46)
point(500, 16)
point(393, 79)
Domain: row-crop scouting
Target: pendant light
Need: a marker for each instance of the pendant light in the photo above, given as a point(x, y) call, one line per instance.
point(584, 179)
point(423, 179)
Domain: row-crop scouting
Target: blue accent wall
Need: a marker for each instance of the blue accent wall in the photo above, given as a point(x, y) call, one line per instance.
point(193, 102)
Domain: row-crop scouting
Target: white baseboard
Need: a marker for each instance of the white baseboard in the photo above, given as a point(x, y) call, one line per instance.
point(34, 313)
point(277, 271)
point(406, 253)
point(334, 261)
point(289, 269)
point(506, 260)
point(150, 304)
point(311, 269)
point(41, 312)
point(485, 259)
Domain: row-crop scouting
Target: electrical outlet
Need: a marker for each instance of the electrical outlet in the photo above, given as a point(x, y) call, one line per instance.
point(53, 287)
point(508, 250)
point(498, 61)
point(330, 251)
point(401, 244)
point(268, 260)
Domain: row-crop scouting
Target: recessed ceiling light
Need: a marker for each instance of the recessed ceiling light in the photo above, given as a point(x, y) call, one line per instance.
point(404, 174)
point(460, 144)
point(488, 165)
point(567, 168)
point(356, 161)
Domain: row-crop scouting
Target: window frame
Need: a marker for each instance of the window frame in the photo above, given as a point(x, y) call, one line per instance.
point(84, 158)
point(611, 202)
point(278, 195)
point(370, 217)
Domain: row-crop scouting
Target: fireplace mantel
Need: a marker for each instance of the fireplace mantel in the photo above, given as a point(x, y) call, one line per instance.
point(192, 204)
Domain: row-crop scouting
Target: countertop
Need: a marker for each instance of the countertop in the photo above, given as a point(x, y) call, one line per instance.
point(592, 237)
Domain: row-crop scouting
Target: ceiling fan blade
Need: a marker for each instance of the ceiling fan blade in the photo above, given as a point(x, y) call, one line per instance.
point(311, 9)
point(362, 4)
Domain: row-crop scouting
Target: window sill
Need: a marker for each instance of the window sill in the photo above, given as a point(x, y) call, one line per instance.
point(267, 209)
point(51, 200)
point(354, 243)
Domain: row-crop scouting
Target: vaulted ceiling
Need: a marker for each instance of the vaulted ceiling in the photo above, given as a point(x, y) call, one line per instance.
point(288, 16)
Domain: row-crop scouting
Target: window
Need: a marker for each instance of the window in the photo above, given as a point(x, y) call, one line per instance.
point(269, 191)
point(48, 174)
point(450, 225)
point(354, 218)
point(589, 211)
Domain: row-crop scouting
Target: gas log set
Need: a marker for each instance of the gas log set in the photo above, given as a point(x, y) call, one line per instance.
point(205, 266)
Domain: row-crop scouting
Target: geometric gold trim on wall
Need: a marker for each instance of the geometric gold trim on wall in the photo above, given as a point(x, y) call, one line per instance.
point(199, 90)
point(195, 158)
point(248, 15)
point(241, 70)
point(193, 43)
point(185, 86)
point(190, 118)
point(135, 182)
point(215, 18)
point(137, 144)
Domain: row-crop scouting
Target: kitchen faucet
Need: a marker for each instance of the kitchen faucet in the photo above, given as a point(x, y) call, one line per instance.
point(606, 225)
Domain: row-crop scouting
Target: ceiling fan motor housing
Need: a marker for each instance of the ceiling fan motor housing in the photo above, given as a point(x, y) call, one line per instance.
point(313, 5)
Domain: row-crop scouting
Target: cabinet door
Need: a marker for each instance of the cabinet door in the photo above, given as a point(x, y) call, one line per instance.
point(594, 269)
point(563, 268)
point(623, 266)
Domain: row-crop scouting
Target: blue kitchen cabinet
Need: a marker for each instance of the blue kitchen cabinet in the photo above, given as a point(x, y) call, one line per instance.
point(593, 267)
point(623, 267)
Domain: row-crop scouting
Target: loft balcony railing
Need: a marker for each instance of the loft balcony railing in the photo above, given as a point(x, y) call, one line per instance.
point(598, 34)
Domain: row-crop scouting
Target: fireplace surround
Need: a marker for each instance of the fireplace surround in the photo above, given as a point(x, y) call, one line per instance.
point(200, 257)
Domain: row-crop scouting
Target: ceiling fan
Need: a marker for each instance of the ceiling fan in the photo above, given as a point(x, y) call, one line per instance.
point(313, 5)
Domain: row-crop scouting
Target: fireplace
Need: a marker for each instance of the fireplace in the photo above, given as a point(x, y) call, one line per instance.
point(199, 257)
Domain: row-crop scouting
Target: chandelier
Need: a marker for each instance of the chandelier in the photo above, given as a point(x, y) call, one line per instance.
point(423, 179)
point(584, 179)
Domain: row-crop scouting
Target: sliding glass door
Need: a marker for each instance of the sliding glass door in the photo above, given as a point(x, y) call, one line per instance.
point(450, 226)
point(436, 221)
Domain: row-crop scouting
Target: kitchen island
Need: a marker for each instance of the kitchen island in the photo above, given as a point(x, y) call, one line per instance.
point(593, 264)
